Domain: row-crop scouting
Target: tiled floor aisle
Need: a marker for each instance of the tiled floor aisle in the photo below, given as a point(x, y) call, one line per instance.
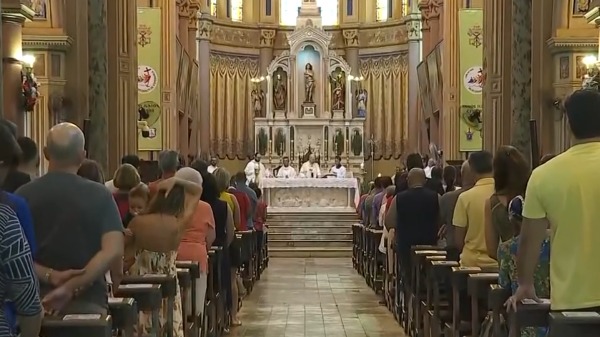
point(314, 298)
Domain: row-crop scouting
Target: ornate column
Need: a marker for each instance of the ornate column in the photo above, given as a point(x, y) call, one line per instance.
point(521, 76)
point(203, 37)
point(425, 12)
point(267, 37)
point(413, 24)
point(194, 12)
point(13, 16)
point(450, 99)
point(98, 82)
point(352, 44)
point(122, 73)
point(497, 63)
point(169, 73)
point(183, 22)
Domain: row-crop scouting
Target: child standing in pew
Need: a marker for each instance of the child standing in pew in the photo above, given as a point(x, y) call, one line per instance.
point(507, 257)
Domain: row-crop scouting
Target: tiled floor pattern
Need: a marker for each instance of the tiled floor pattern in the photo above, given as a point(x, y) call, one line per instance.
point(314, 298)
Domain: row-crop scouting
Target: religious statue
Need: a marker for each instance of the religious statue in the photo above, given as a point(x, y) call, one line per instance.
point(38, 7)
point(338, 98)
point(361, 101)
point(257, 101)
point(582, 6)
point(309, 83)
point(338, 142)
point(357, 143)
point(262, 141)
point(280, 92)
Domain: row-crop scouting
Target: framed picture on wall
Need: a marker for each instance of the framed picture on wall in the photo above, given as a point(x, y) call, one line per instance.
point(433, 82)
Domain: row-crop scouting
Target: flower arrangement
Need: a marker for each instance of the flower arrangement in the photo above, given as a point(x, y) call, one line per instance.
point(29, 89)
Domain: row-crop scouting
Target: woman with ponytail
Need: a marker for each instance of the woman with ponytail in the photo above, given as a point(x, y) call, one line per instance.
point(511, 173)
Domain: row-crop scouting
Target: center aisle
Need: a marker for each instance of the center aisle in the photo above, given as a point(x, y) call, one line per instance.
point(314, 297)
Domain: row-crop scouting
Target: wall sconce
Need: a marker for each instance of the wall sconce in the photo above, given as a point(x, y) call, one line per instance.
point(591, 79)
point(257, 80)
point(29, 85)
point(357, 79)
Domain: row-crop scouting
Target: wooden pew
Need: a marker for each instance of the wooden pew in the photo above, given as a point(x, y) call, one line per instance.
point(216, 295)
point(497, 297)
point(478, 286)
point(124, 313)
point(576, 324)
point(427, 304)
point(459, 277)
point(168, 288)
point(363, 249)
point(184, 279)
point(89, 325)
point(148, 298)
point(195, 317)
point(355, 245)
point(376, 262)
point(417, 285)
point(529, 314)
point(441, 311)
point(247, 254)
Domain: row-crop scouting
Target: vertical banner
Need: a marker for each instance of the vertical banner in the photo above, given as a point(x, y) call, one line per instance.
point(470, 56)
point(149, 73)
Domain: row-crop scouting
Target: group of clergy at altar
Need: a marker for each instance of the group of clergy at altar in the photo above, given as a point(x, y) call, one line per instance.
point(310, 169)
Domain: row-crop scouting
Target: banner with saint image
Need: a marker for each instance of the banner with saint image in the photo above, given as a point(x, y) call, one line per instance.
point(149, 114)
point(472, 78)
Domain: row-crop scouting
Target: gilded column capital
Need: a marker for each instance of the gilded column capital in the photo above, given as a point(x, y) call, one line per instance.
point(194, 16)
point(267, 37)
point(183, 8)
point(414, 27)
point(351, 37)
point(204, 28)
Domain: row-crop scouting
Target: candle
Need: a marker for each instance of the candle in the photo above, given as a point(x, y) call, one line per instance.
point(347, 145)
point(362, 165)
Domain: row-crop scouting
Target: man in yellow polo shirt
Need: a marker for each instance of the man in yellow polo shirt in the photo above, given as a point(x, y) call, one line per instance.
point(469, 216)
point(563, 195)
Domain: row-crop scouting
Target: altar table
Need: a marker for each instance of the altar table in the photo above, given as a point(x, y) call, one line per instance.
point(310, 194)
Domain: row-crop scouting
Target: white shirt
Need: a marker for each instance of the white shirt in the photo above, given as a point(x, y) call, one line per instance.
point(428, 171)
point(251, 171)
point(339, 172)
point(111, 186)
point(308, 168)
point(286, 172)
point(211, 169)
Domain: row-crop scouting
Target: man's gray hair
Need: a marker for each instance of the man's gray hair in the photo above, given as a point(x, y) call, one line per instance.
point(168, 161)
point(65, 143)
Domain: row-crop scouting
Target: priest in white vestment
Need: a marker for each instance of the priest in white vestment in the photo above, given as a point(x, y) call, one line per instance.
point(310, 169)
point(338, 169)
point(286, 171)
point(255, 170)
point(213, 165)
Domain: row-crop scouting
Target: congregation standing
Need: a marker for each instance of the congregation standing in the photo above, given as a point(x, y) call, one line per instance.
point(69, 237)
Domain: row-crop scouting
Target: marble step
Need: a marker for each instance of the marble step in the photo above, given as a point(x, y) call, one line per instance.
point(309, 243)
point(311, 217)
point(310, 236)
point(303, 252)
point(299, 229)
point(314, 223)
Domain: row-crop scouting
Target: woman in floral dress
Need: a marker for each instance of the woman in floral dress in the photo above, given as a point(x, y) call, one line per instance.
point(507, 258)
point(156, 237)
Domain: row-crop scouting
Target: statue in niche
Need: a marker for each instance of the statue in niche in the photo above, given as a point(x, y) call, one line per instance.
point(338, 99)
point(356, 142)
point(263, 139)
point(38, 7)
point(582, 6)
point(362, 97)
point(258, 97)
point(279, 142)
point(309, 83)
point(279, 91)
point(338, 142)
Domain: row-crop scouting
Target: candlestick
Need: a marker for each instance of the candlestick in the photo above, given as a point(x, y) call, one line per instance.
point(270, 145)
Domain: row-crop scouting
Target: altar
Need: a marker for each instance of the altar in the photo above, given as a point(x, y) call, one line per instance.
point(310, 195)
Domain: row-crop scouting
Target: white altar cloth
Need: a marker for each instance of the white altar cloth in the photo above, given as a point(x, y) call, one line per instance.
point(350, 184)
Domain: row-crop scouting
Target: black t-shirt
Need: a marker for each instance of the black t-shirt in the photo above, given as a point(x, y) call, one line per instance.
point(14, 180)
point(70, 215)
point(417, 219)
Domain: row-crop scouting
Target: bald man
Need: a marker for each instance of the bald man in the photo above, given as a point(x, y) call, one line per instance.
point(448, 204)
point(77, 226)
point(413, 218)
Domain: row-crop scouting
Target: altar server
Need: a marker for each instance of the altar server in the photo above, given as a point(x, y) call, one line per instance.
point(310, 169)
point(255, 170)
point(338, 169)
point(286, 171)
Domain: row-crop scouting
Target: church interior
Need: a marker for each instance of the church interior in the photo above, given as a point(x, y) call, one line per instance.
point(362, 83)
